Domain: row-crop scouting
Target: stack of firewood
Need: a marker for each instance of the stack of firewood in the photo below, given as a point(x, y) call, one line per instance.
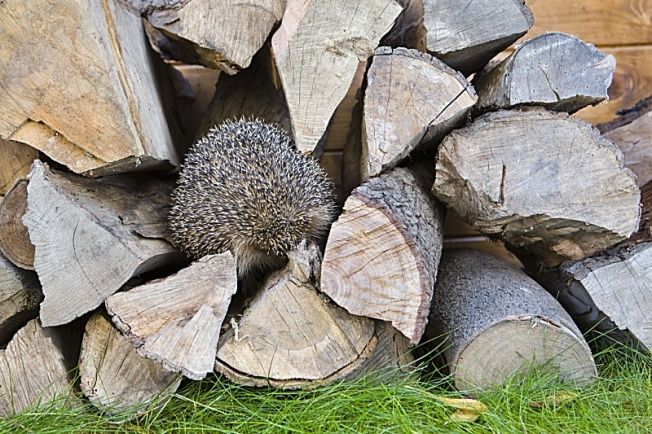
point(91, 133)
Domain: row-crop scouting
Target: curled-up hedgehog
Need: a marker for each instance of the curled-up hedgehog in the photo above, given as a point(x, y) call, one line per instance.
point(244, 187)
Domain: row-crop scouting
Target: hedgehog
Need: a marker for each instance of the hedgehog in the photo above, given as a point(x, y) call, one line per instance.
point(244, 187)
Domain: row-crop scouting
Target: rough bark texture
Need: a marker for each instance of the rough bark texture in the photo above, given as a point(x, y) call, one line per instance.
point(15, 244)
point(20, 295)
point(93, 108)
point(90, 237)
point(32, 371)
point(382, 253)
point(15, 160)
point(541, 181)
point(411, 99)
point(115, 378)
point(555, 70)
point(408, 30)
point(495, 322)
point(610, 293)
point(317, 57)
point(466, 35)
point(645, 228)
point(176, 320)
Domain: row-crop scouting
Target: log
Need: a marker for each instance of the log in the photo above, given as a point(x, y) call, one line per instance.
point(223, 35)
point(15, 161)
point(15, 244)
point(494, 322)
point(91, 236)
point(411, 99)
point(632, 132)
point(176, 320)
point(645, 228)
point(290, 336)
point(609, 294)
point(32, 371)
point(20, 295)
point(467, 35)
point(408, 30)
point(554, 70)
point(106, 115)
point(115, 378)
point(558, 190)
point(382, 253)
point(317, 57)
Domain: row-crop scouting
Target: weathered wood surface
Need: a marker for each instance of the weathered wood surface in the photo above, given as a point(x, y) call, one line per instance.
point(317, 57)
point(15, 161)
point(493, 322)
point(115, 378)
point(382, 253)
point(411, 99)
point(15, 244)
point(555, 70)
point(645, 228)
point(20, 295)
point(94, 108)
point(609, 294)
point(176, 320)
point(290, 336)
point(91, 236)
point(408, 30)
point(466, 35)
point(32, 371)
point(541, 181)
point(632, 132)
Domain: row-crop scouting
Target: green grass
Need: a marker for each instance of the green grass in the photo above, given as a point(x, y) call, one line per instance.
point(619, 402)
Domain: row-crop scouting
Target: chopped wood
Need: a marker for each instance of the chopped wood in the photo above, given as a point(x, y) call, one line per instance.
point(15, 161)
point(554, 70)
point(408, 30)
point(20, 295)
point(15, 244)
point(466, 35)
point(645, 228)
point(94, 109)
point(317, 57)
point(32, 371)
point(291, 336)
point(411, 99)
point(610, 294)
point(632, 132)
point(91, 236)
point(493, 322)
point(541, 181)
point(115, 378)
point(382, 253)
point(176, 320)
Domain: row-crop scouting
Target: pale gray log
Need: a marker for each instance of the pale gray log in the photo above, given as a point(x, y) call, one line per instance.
point(176, 320)
point(115, 378)
point(20, 295)
point(494, 322)
point(543, 182)
point(467, 34)
point(411, 99)
point(382, 253)
point(554, 70)
point(91, 236)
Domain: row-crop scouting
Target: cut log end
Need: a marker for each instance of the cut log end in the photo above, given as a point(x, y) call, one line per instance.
point(14, 237)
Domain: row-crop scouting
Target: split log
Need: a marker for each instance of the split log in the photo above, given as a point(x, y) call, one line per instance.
point(382, 253)
point(610, 294)
point(15, 244)
point(632, 132)
point(290, 336)
point(317, 57)
point(32, 371)
point(411, 99)
point(494, 322)
point(554, 70)
point(408, 30)
point(94, 109)
point(645, 228)
point(467, 35)
point(20, 295)
point(15, 160)
point(91, 236)
point(223, 35)
point(115, 378)
point(543, 182)
point(176, 320)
